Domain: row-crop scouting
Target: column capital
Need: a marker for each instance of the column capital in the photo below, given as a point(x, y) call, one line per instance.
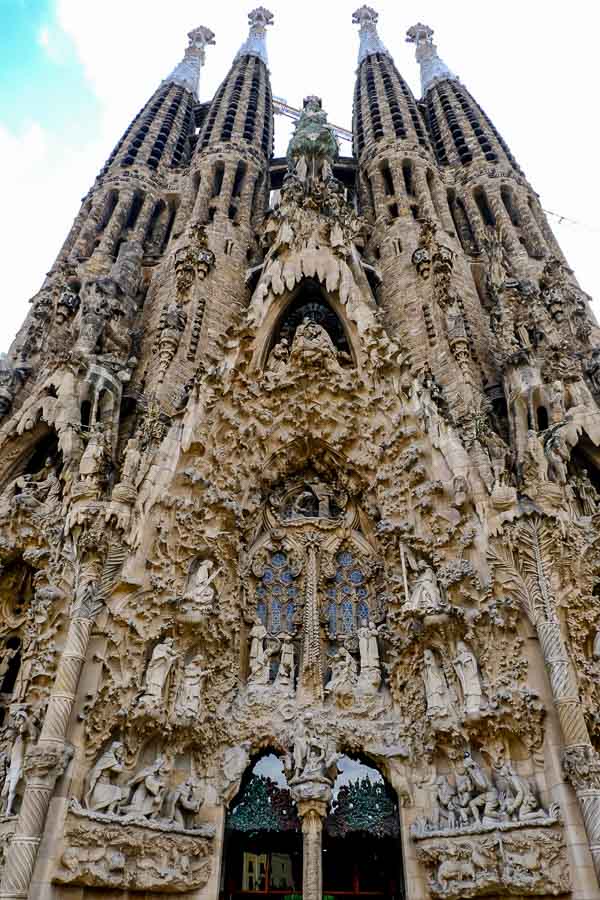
point(581, 765)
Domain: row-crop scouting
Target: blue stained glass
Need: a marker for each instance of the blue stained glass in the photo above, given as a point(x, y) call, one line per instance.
point(346, 589)
point(344, 558)
point(363, 612)
point(261, 610)
point(276, 589)
point(286, 577)
point(260, 591)
point(332, 616)
point(279, 559)
point(347, 616)
point(339, 576)
point(291, 609)
point(356, 576)
point(276, 616)
point(331, 592)
point(292, 591)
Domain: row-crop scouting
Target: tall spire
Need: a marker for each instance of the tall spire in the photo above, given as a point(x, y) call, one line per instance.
point(370, 42)
point(432, 67)
point(187, 72)
point(256, 44)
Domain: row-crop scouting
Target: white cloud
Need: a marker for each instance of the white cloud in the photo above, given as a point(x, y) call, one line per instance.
point(40, 199)
point(53, 43)
point(534, 82)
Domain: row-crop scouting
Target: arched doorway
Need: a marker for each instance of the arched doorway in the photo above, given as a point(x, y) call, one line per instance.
point(361, 848)
point(362, 854)
point(263, 836)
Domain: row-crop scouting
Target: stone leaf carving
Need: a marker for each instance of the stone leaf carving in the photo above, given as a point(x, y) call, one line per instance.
point(529, 863)
point(133, 858)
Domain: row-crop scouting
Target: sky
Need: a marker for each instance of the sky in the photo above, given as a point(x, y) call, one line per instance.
point(73, 73)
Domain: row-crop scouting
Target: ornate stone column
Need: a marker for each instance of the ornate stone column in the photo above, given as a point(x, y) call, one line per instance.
point(311, 673)
point(581, 763)
point(313, 799)
point(43, 766)
point(46, 762)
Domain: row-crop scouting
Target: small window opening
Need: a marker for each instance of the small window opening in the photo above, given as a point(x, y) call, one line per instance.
point(407, 173)
point(484, 208)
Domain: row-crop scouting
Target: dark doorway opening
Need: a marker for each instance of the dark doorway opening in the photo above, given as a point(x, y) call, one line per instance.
point(263, 837)
point(362, 854)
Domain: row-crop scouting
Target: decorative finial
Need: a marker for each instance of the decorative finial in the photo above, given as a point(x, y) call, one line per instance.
point(256, 45)
point(187, 73)
point(432, 67)
point(370, 42)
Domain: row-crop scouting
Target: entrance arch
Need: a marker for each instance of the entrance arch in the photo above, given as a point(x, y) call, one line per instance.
point(361, 855)
point(263, 836)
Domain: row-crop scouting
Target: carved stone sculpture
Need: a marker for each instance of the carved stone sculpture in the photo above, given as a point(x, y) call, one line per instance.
point(190, 689)
point(103, 794)
point(370, 664)
point(146, 791)
point(436, 686)
point(156, 679)
point(24, 734)
point(344, 675)
point(465, 666)
point(425, 598)
point(284, 680)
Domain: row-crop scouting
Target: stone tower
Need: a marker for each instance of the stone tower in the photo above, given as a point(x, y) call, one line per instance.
point(299, 523)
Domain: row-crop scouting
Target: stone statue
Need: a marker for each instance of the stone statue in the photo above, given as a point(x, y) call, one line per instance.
point(92, 466)
point(425, 598)
point(558, 455)
point(190, 689)
point(436, 686)
point(370, 665)
point(24, 734)
point(182, 804)
point(344, 674)
point(199, 586)
point(313, 346)
point(313, 146)
point(484, 801)
point(465, 666)
point(444, 815)
point(556, 401)
point(102, 794)
point(260, 657)
point(535, 464)
point(588, 496)
point(6, 655)
point(596, 646)
point(278, 357)
point(158, 671)
point(312, 759)
point(284, 680)
point(521, 803)
point(147, 789)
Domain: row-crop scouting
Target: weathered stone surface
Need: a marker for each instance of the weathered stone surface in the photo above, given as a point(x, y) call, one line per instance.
point(287, 468)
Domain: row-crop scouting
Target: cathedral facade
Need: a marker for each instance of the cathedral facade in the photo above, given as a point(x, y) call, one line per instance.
point(299, 513)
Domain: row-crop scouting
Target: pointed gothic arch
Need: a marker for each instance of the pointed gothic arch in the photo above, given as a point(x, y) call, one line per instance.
point(263, 839)
point(308, 300)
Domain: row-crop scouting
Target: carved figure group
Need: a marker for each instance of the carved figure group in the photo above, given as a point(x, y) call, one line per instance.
point(148, 794)
point(475, 798)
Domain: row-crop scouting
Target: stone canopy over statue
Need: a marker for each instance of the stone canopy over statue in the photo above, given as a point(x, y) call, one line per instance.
point(313, 146)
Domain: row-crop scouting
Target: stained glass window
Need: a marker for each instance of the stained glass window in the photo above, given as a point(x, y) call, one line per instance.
point(347, 597)
point(277, 594)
